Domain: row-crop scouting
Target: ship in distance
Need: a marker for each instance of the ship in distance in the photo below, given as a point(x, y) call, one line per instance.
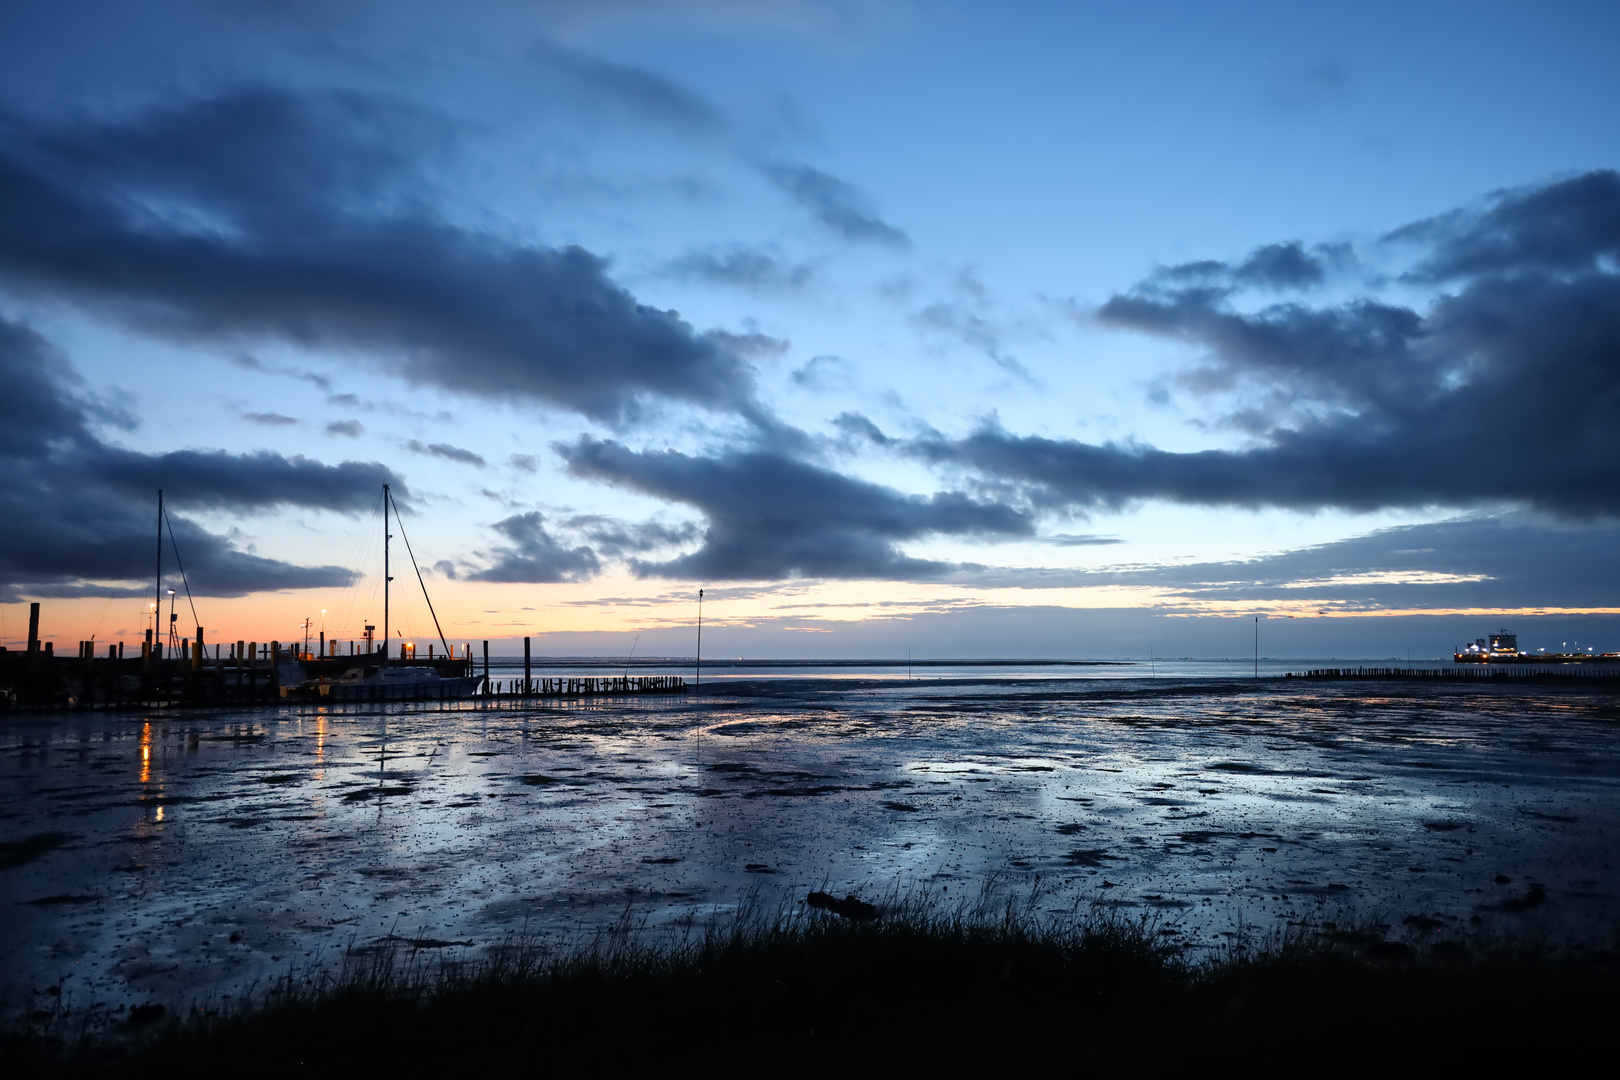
point(1503, 648)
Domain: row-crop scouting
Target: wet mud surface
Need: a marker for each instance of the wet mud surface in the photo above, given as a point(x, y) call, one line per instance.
point(180, 858)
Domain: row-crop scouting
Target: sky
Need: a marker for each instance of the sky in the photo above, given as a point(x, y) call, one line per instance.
point(1013, 329)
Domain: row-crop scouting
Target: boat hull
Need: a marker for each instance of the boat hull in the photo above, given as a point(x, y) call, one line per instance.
point(435, 690)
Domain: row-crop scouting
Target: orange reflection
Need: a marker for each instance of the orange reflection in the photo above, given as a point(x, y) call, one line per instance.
point(320, 743)
point(146, 752)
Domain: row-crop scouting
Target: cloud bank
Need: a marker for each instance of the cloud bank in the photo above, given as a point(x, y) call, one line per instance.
point(268, 214)
point(771, 516)
point(1503, 390)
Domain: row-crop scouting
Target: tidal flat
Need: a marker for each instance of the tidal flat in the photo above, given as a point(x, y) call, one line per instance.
point(199, 856)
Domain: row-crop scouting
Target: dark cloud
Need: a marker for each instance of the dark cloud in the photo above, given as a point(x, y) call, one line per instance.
point(269, 419)
point(616, 538)
point(81, 513)
point(1280, 266)
point(1508, 561)
point(635, 90)
point(447, 452)
point(534, 556)
point(1274, 266)
point(1504, 390)
point(526, 462)
point(861, 427)
point(749, 344)
point(350, 428)
point(834, 203)
point(1080, 540)
point(745, 268)
point(771, 516)
point(274, 216)
point(1566, 227)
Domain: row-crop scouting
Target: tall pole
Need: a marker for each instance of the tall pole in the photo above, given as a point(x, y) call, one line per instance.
point(157, 590)
point(386, 578)
point(700, 639)
point(1257, 646)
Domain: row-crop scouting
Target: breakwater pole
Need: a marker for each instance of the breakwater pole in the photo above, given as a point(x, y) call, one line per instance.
point(1471, 673)
point(580, 687)
point(585, 687)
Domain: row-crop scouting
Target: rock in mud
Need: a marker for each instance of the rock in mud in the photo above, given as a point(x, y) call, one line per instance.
point(850, 907)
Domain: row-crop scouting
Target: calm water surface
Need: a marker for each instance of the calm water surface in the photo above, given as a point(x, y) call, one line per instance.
point(182, 856)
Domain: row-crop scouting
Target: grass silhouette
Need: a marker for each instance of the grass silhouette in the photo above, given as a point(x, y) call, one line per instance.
point(988, 982)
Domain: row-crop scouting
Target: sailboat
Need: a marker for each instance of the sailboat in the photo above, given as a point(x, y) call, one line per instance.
point(377, 676)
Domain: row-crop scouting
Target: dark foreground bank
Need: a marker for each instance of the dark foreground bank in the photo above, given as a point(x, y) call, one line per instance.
point(833, 991)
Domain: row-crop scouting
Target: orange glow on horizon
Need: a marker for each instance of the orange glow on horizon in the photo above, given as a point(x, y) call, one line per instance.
point(619, 603)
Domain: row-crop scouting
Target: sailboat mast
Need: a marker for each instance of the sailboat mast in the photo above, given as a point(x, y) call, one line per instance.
point(386, 578)
point(157, 590)
point(403, 535)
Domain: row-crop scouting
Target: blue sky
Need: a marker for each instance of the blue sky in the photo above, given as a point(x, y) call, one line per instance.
point(986, 329)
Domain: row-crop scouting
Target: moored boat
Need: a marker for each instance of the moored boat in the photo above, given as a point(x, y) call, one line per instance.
point(386, 683)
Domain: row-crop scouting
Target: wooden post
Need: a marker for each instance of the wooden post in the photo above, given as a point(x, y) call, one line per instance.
point(487, 688)
point(526, 675)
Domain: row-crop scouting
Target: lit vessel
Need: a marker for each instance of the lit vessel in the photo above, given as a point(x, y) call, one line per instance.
point(1503, 648)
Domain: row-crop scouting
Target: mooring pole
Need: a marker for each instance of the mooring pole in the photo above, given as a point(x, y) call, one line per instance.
point(1257, 646)
point(699, 681)
point(526, 676)
point(487, 690)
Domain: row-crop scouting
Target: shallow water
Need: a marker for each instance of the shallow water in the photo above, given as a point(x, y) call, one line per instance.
point(183, 856)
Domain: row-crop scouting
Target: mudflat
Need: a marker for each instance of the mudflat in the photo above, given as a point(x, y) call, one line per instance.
point(195, 856)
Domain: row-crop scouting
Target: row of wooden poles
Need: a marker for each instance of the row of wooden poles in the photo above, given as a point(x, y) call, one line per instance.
point(1493, 672)
point(576, 687)
point(529, 686)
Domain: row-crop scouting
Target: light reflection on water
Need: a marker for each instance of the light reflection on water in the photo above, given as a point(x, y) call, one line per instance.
point(1203, 804)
